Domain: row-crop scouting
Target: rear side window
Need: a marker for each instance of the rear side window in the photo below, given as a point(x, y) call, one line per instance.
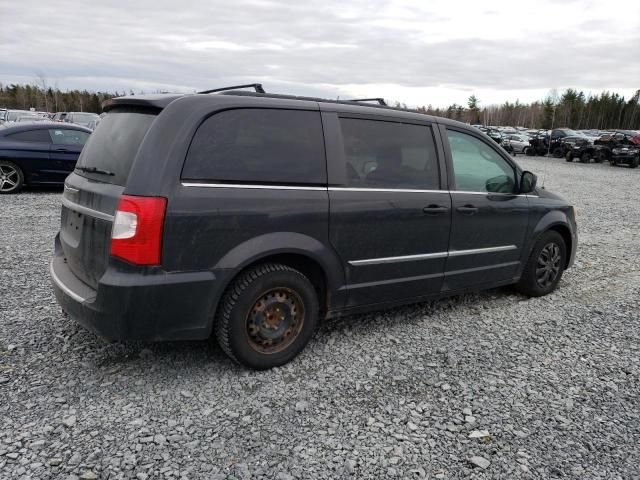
point(258, 146)
point(382, 154)
point(61, 136)
point(31, 136)
point(114, 144)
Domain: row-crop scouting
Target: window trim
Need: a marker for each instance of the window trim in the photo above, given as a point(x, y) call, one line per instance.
point(336, 160)
point(259, 183)
point(449, 159)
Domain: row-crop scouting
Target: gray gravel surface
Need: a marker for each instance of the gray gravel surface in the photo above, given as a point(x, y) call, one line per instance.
point(488, 385)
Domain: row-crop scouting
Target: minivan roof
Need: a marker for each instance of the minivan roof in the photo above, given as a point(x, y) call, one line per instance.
point(162, 100)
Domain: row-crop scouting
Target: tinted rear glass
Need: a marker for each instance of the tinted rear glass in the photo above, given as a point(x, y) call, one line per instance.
point(114, 144)
point(258, 146)
point(31, 136)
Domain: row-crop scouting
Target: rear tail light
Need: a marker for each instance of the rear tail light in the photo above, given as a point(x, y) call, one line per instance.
point(137, 229)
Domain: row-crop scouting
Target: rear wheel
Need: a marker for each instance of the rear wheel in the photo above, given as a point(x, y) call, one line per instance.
point(558, 152)
point(586, 157)
point(11, 177)
point(569, 157)
point(635, 162)
point(545, 266)
point(267, 316)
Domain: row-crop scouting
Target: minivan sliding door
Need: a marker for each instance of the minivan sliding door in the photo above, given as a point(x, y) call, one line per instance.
point(389, 219)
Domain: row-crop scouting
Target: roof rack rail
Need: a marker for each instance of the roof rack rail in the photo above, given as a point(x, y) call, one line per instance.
point(378, 99)
point(257, 86)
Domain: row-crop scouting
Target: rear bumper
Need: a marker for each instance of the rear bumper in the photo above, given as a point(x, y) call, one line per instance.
point(139, 306)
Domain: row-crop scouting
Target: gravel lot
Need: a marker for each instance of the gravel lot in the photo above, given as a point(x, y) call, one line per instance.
point(525, 388)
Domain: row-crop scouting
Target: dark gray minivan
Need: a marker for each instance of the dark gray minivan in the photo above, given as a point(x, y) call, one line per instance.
point(252, 216)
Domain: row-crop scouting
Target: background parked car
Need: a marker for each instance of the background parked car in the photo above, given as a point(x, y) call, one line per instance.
point(38, 153)
point(518, 142)
point(89, 120)
point(12, 115)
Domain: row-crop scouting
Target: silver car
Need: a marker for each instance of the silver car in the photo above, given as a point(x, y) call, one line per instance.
point(518, 141)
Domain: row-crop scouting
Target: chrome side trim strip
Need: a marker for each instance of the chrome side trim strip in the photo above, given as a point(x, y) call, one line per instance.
point(63, 287)
point(406, 258)
point(251, 186)
point(401, 190)
point(429, 256)
point(473, 251)
point(495, 193)
point(337, 189)
point(86, 210)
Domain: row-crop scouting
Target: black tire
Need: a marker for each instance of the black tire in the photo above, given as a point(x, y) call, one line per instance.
point(585, 158)
point(569, 157)
point(634, 163)
point(11, 177)
point(267, 291)
point(531, 283)
point(613, 162)
point(600, 157)
point(529, 152)
point(558, 152)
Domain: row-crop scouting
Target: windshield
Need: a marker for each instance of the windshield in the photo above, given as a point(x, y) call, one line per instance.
point(114, 144)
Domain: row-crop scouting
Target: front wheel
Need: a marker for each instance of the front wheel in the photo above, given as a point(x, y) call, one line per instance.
point(558, 152)
point(11, 177)
point(635, 162)
point(585, 158)
point(545, 266)
point(267, 316)
point(569, 157)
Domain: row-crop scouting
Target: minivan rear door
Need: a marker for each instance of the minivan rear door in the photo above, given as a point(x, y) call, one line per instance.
point(389, 217)
point(92, 191)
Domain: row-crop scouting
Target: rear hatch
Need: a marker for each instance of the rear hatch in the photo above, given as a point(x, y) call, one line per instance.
point(92, 191)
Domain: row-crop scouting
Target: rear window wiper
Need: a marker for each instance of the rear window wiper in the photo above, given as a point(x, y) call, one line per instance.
point(95, 170)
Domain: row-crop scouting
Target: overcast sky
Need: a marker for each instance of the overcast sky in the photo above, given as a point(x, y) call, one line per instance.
point(418, 52)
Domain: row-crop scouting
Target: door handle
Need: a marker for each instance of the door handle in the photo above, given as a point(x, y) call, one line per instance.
point(62, 150)
point(468, 210)
point(435, 209)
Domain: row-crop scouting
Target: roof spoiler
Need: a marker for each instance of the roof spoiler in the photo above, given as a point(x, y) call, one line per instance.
point(257, 86)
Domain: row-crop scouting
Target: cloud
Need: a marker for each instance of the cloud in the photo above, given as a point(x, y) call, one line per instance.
point(419, 52)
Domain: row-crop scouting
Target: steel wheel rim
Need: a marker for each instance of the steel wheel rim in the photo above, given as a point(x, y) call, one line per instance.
point(548, 265)
point(275, 320)
point(9, 178)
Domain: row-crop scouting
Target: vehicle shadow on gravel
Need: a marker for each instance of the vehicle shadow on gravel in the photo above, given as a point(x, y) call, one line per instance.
point(206, 354)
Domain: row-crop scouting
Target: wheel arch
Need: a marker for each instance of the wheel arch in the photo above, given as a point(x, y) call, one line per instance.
point(315, 260)
point(564, 231)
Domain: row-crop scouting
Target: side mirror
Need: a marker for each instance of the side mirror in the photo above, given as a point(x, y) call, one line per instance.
point(528, 182)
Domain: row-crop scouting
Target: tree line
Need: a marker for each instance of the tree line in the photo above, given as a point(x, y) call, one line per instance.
point(571, 109)
point(46, 98)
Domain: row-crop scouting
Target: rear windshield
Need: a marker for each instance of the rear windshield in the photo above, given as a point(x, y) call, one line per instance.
point(114, 144)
